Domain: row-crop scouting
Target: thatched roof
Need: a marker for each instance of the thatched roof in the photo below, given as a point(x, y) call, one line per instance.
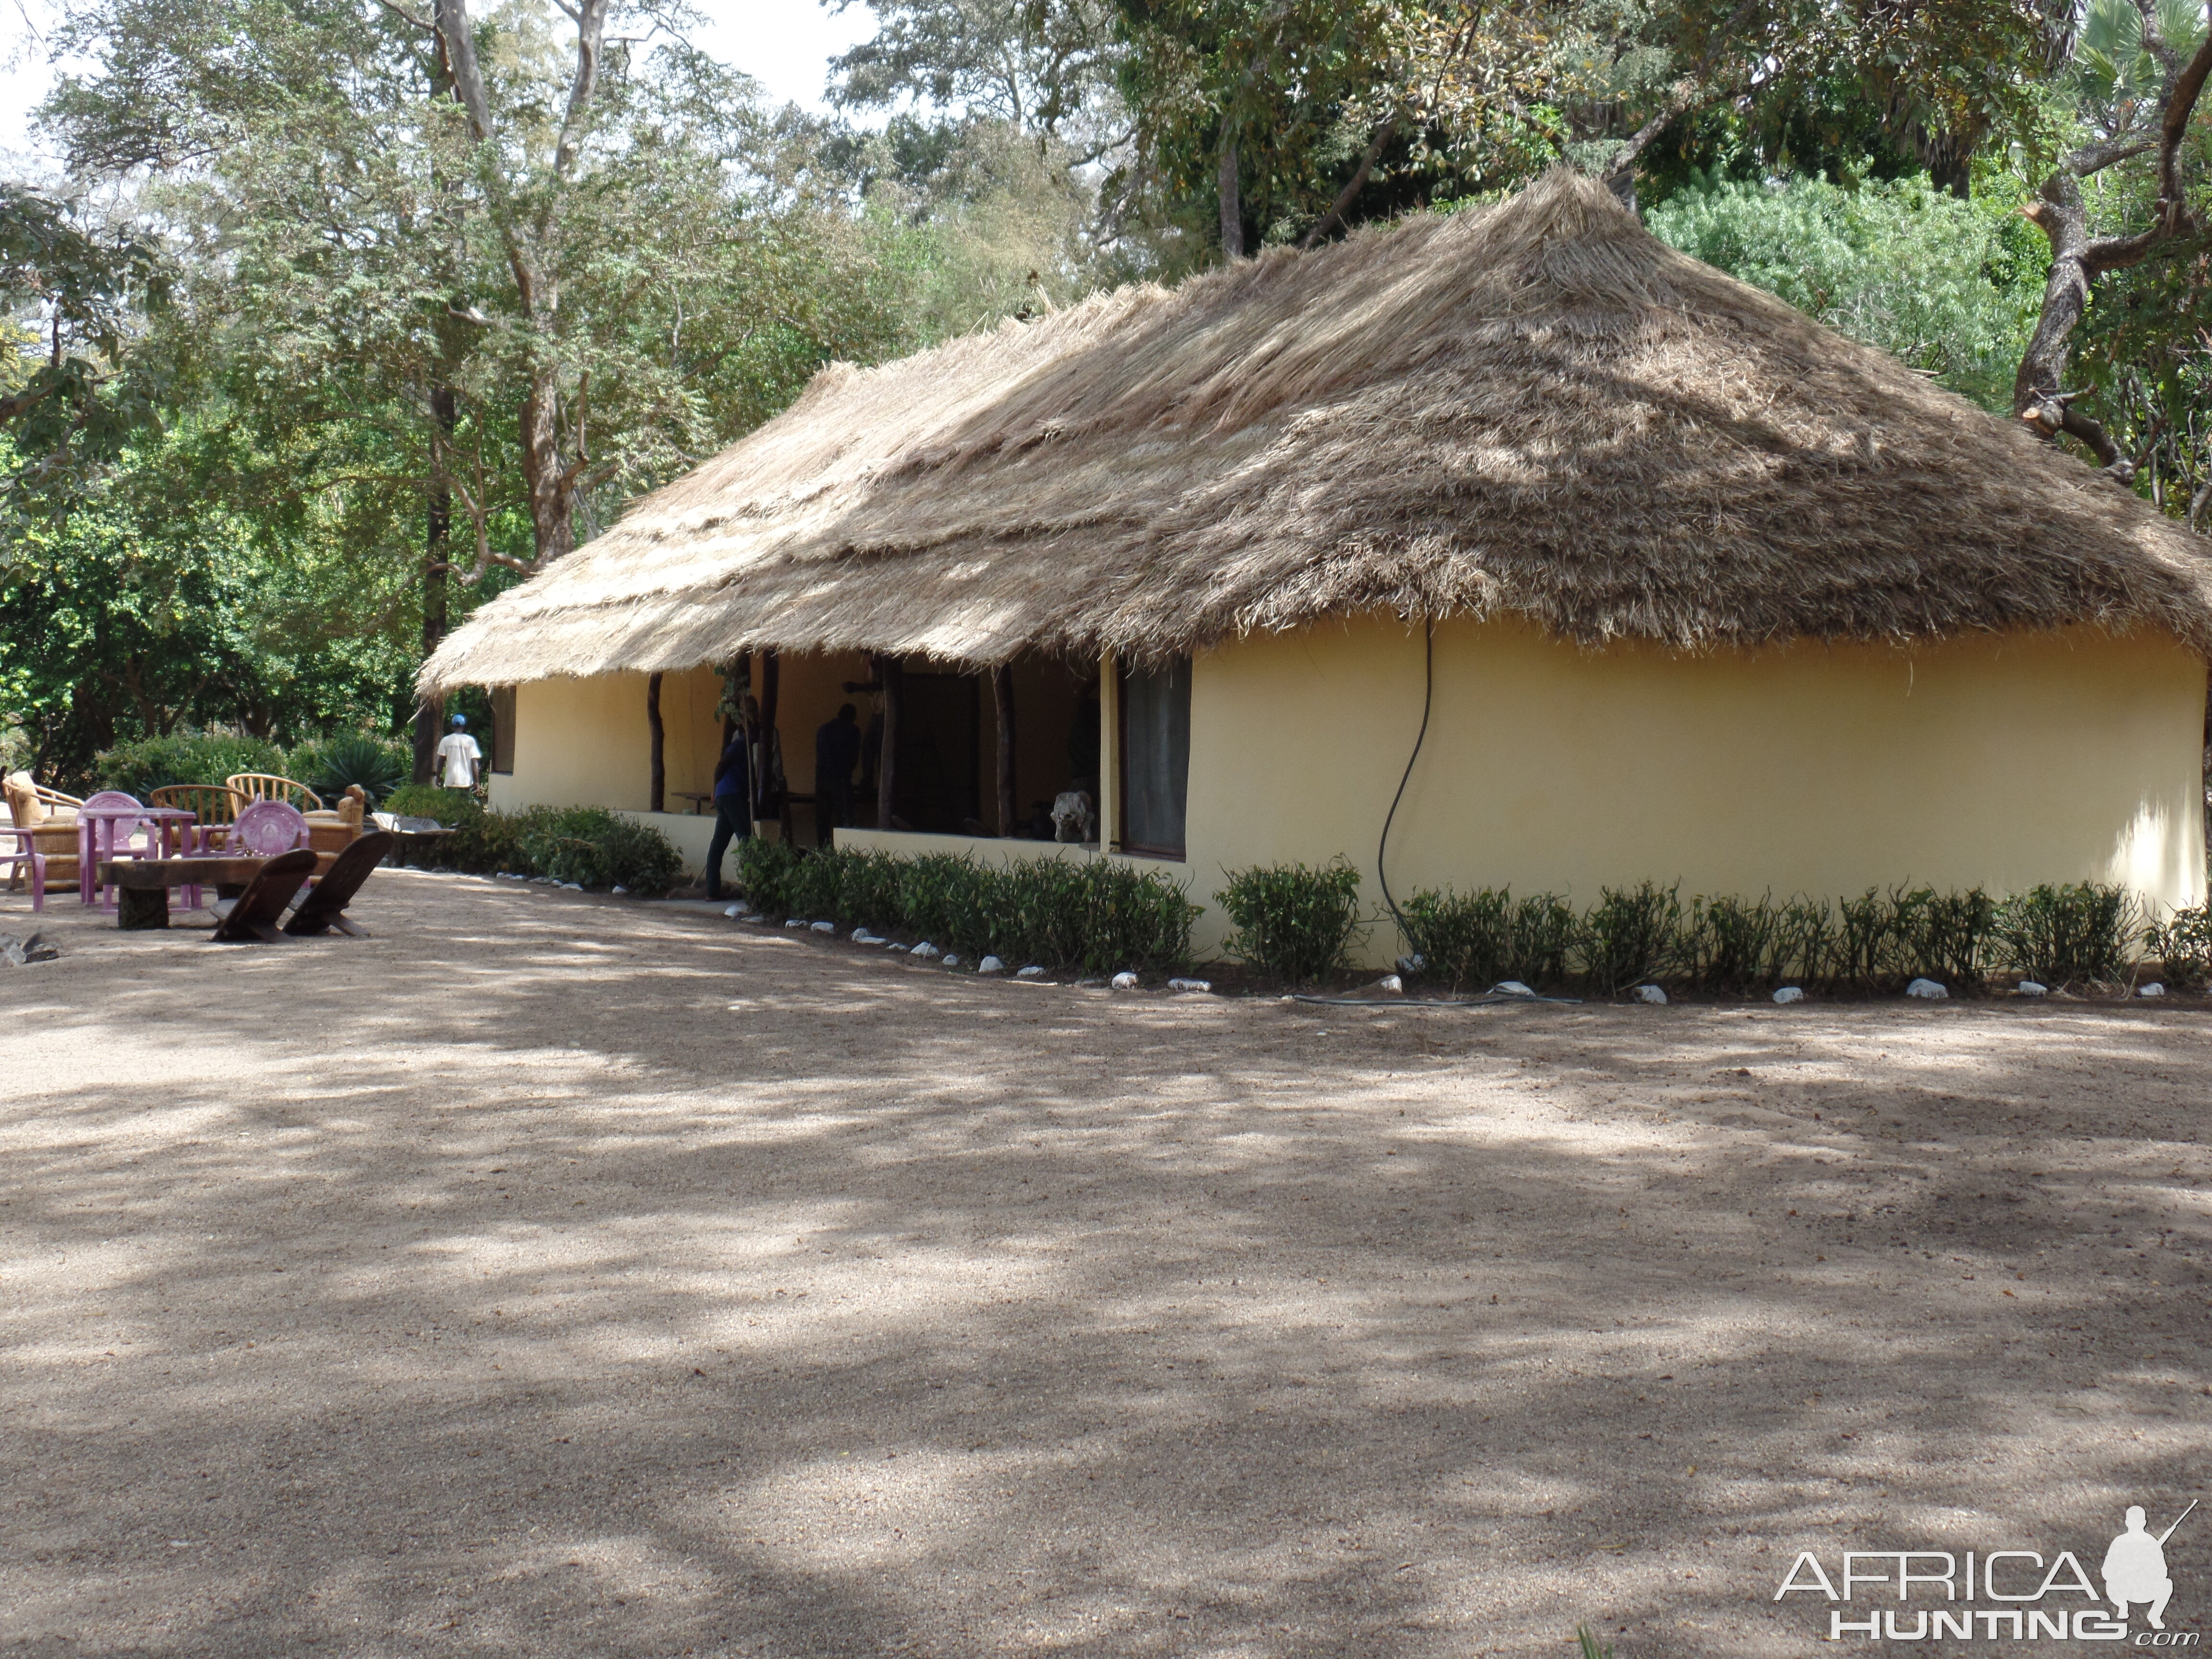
point(1536, 407)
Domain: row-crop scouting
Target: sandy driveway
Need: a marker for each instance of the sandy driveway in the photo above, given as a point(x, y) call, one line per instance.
point(556, 1276)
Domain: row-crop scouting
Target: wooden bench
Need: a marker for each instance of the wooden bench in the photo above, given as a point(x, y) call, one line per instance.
point(141, 885)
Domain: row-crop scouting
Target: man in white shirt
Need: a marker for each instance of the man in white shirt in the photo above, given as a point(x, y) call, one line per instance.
point(458, 756)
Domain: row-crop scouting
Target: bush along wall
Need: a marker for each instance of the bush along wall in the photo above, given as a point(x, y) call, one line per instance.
point(1295, 924)
point(587, 845)
point(1097, 915)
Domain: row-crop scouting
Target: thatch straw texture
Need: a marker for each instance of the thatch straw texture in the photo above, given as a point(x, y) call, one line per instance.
point(1535, 408)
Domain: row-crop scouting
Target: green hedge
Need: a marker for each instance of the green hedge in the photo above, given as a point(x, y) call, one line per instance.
point(1095, 915)
point(2079, 934)
point(587, 845)
point(326, 765)
point(139, 768)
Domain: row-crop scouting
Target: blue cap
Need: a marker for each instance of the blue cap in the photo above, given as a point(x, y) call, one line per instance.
point(460, 719)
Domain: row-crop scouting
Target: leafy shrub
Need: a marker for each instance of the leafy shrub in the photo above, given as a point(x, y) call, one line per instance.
point(1132, 918)
point(595, 847)
point(1293, 922)
point(765, 869)
point(1482, 937)
point(1943, 936)
point(868, 889)
point(1094, 914)
point(2071, 934)
point(379, 765)
point(139, 768)
point(483, 842)
point(1734, 943)
point(1806, 942)
point(941, 898)
point(429, 800)
point(1630, 935)
point(2183, 942)
point(1865, 943)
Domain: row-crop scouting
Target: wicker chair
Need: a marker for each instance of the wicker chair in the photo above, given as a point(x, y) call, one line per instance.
point(267, 786)
point(215, 806)
point(55, 833)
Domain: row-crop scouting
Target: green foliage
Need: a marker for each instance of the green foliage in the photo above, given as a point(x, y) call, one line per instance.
point(1483, 937)
point(1944, 936)
point(595, 847)
point(2183, 942)
point(1630, 935)
point(2078, 933)
point(1294, 923)
point(1951, 287)
point(1095, 915)
point(483, 842)
point(379, 765)
point(1732, 943)
point(766, 871)
point(429, 800)
point(139, 769)
point(1736, 946)
point(1587, 1644)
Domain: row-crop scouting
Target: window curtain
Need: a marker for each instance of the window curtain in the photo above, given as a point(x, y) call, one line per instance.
point(1155, 757)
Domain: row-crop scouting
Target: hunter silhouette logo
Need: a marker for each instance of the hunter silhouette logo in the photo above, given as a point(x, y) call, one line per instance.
point(2135, 1567)
point(2010, 1595)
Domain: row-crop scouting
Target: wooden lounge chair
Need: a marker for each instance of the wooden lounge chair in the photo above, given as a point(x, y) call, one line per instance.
point(267, 786)
point(259, 907)
point(325, 907)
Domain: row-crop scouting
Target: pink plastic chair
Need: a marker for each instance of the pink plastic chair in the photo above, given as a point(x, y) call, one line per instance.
point(27, 853)
point(100, 838)
point(267, 828)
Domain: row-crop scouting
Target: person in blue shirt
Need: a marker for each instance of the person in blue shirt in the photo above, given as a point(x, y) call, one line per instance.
point(734, 807)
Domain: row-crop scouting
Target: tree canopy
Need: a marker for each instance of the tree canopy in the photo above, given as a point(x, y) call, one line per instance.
point(347, 312)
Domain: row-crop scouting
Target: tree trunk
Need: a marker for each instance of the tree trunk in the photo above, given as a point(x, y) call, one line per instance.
point(891, 677)
point(2078, 259)
point(1002, 702)
point(437, 560)
point(771, 682)
point(656, 795)
point(549, 475)
point(1233, 205)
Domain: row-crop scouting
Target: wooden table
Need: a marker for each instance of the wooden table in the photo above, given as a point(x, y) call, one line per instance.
point(141, 885)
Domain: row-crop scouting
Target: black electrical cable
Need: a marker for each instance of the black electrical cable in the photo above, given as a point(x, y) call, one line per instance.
point(1428, 697)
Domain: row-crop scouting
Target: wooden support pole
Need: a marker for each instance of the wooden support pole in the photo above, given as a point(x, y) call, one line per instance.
point(657, 799)
point(1002, 701)
point(891, 677)
point(1109, 753)
point(771, 680)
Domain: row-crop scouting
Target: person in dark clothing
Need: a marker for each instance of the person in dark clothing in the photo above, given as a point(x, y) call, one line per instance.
point(836, 752)
point(733, 809)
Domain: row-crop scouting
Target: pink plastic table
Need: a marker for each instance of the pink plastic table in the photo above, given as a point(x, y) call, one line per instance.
point(97, 827)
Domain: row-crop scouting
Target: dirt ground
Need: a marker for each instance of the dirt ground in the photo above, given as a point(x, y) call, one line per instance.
point(553, 1275)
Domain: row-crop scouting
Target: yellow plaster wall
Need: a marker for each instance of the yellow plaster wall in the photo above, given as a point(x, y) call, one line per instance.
point(582, 743)
point(2003, 761)
point(1997, 761)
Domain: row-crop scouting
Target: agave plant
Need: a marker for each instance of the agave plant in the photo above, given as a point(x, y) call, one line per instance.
point(379, 765)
